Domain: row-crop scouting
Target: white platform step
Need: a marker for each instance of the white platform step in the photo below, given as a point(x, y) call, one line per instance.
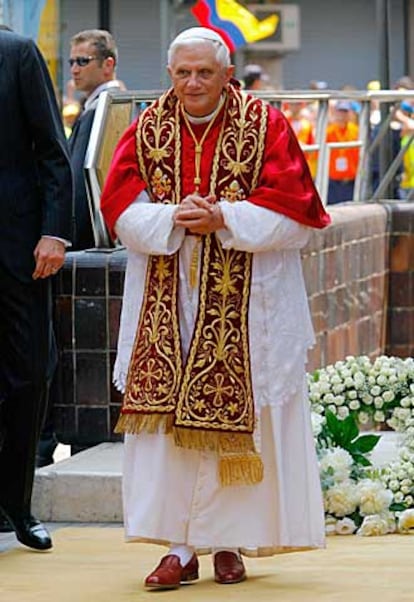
point(86, 487)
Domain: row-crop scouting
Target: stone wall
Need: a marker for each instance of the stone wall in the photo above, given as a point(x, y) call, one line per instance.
point(400, 328)
point(346, 269)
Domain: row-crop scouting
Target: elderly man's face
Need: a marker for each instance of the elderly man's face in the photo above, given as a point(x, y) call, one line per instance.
point(198, 78)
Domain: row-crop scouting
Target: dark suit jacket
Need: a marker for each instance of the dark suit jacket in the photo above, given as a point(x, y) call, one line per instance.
point(78, 144)
point(35, 172)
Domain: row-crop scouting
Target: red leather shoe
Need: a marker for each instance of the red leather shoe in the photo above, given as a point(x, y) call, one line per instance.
point(169, 574)
point(228, 568)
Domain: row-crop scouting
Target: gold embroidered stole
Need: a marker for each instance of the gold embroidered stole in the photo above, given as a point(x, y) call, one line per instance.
point(208, 402)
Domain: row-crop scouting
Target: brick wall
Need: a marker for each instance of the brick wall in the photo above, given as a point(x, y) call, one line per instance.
point(400, 328)
point(345, 268)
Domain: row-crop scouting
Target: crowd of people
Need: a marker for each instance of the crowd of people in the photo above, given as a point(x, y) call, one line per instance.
point(343, 127)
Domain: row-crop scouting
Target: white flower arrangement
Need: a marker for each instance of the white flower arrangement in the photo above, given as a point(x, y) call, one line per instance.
point(380, 392)
point(348, 395)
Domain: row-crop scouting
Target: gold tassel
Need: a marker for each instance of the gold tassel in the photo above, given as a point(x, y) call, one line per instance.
point(238, 469)
point(148, 423)
point(194, 264)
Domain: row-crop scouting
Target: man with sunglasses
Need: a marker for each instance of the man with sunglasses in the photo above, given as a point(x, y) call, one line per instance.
point(93, 60)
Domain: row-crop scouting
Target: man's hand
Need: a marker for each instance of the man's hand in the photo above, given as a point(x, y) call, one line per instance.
point(49, 255)
point(199, 215)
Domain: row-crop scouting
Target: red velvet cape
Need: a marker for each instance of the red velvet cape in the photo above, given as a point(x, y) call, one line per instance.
point(285, 183)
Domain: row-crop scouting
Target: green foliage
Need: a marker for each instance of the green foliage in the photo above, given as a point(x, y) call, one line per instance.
point(345, 434)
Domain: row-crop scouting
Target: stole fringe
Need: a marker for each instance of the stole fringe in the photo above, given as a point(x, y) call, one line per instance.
point(148, 423)
point(239, 463)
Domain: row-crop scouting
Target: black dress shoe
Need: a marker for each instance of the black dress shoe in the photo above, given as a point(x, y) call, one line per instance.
point(5, 526)
point(30, 532)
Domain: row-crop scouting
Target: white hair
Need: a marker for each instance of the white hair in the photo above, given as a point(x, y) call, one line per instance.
point(201, 35)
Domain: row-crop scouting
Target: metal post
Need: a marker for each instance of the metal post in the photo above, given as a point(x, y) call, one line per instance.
point(104, 17)
point(165, 31)
point(384, 71)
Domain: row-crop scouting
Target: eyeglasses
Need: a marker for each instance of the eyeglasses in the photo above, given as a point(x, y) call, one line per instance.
point(82, 61)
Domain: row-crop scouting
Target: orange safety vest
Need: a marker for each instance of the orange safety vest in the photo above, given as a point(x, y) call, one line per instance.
point(343, 162)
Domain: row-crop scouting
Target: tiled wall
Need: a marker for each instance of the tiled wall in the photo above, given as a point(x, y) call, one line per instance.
point(400, 328)
point(346, 270)
point(87, 309)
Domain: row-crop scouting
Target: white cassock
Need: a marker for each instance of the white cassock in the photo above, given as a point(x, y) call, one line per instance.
point(172, 494)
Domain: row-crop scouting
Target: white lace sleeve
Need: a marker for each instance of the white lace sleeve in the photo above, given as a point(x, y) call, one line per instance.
point(148, 228)
point(256, 229)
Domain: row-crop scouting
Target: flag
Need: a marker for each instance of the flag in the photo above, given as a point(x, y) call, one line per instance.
point(237, 25)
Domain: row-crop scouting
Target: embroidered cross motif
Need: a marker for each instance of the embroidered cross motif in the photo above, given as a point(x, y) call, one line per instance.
point(219, 390)
point(149, 374)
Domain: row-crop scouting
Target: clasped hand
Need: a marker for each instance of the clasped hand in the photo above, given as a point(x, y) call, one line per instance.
point(199, 215)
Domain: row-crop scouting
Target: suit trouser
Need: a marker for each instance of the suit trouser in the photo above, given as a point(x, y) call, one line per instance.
point(25, 346)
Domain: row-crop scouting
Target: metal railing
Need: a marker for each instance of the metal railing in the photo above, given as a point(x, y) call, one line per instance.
point(117, 109)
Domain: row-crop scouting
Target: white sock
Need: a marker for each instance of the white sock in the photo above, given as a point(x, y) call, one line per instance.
point(234, 550)
point(183, 552)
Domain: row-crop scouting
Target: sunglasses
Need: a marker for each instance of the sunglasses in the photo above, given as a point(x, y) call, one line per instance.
point(82, 61)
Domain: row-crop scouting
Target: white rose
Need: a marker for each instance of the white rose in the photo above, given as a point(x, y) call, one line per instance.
point(345, 526)
point(373, 525)
point(363, 417)
point(317, 423)
point(367, 399)
point(339, 461)
point(406, 521)
point(388, 396)
point(378, 402)
point(341, 499)
point(379, 416)
point(394, 485)
point(343, 412)
point(374, 497)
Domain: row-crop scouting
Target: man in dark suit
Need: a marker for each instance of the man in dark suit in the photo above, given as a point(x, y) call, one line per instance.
point(93, 59)
point(36, 206)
